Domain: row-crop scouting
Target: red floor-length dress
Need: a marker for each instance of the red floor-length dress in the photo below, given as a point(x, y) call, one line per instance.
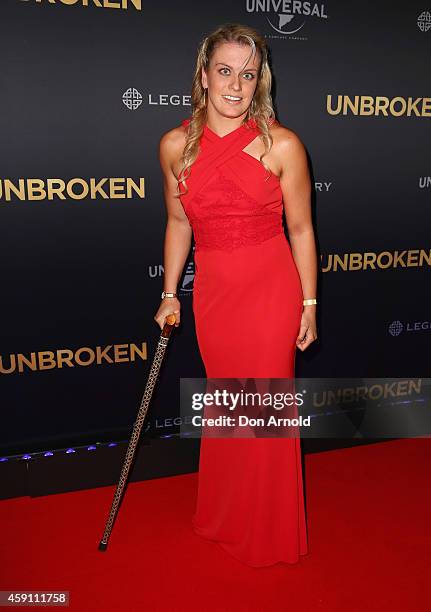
point(250, 492)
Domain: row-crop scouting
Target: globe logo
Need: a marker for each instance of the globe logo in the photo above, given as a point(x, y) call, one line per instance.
point(283, 19)
point(424, 21)
point(187, 285)
point(132, 98)
point(395, 328)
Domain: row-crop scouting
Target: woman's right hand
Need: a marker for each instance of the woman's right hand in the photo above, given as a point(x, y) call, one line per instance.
point(168, 306)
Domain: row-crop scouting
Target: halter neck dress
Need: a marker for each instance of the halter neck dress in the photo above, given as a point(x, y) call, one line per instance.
point(247, 305)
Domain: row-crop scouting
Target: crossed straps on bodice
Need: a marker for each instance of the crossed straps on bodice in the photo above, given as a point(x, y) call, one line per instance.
point(217, 150)
point(228, 202)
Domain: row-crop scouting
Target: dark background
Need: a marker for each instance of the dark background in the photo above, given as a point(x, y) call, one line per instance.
point(79, 273)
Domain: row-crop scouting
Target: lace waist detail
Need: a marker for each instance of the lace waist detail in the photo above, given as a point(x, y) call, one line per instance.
point(231, 232)
point(224, 216)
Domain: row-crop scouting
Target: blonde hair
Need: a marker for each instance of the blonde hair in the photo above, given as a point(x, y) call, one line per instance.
point(260, 110)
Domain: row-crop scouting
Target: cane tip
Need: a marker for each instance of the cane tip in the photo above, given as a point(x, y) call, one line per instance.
point(170, 319)
point(103, 546)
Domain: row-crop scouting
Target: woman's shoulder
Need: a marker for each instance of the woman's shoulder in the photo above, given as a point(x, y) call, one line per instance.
point(174, 138)
point(285, 139)
point(281, 131)
point(176, 132)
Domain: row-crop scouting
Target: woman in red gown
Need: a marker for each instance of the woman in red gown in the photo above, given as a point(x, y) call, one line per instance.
point(249, 288)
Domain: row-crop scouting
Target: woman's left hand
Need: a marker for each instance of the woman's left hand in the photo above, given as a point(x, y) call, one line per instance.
point(307, 331)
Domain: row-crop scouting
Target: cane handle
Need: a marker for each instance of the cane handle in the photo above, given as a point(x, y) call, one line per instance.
point(169, 325)
point(170, 319)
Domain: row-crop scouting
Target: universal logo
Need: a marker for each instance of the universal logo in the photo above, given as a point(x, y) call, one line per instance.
point(188, 279)
point(108, 4)
point(284, 16)
point(132, 98)
point(397, 327)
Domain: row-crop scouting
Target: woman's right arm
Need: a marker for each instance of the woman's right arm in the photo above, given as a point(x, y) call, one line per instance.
point(178, 234)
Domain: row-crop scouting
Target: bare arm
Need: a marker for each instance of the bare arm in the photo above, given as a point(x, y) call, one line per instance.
point(296, 187)
point(178, 232)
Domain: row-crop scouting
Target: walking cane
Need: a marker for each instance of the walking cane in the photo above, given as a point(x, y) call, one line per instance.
point(137, 427)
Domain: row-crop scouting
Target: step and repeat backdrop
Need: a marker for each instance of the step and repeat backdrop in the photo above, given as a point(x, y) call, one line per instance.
point(88, 88)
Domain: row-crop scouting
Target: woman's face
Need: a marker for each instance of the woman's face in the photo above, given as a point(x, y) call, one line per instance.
point(231, 83)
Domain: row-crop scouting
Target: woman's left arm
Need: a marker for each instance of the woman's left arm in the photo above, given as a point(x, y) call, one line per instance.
point(296, 187)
